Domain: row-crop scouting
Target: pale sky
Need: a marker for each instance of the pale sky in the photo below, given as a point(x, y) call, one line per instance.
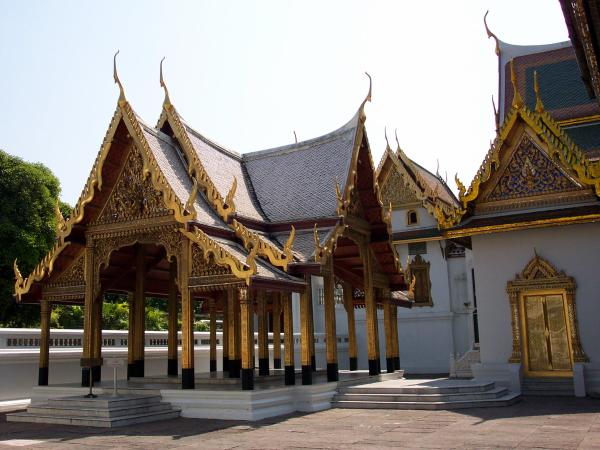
point(247, 74)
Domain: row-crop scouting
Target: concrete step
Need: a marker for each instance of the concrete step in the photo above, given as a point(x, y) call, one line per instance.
point(93, 421)
point(429, 398)
point(98, 412)
point(550, 392)
point(420, 390)
point(548, 386)
point(502, 401)
point(101, 411)
point(103, 401)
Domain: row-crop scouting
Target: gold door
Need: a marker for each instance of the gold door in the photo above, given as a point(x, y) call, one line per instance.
point(547, 345)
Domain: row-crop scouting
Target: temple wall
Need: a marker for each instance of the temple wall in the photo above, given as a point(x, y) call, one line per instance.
point(497, 257)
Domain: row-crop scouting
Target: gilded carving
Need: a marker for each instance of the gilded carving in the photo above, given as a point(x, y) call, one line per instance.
point(133, 196)
point(418, 271)
point(253, 240)
point(74, 275)
point(203, 266)
point(530, 173)
point(396, 191)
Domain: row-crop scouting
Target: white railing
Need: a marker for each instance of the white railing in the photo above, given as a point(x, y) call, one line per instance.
point(461, 367)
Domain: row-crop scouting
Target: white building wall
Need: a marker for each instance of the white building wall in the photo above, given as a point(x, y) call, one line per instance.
point(498, 257)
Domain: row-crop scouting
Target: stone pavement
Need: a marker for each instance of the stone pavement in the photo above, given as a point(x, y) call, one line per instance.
point(533, 423)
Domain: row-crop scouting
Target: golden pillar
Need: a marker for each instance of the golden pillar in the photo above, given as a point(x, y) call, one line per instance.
point(89, 311)
point(46, 309)
point(305, 330)
point(225, 333)
point(276, 314)
point(172, 340)
point(140, 309)
point(97, 350)
point(371, 314)
point(388, 330)
point(288, 339)
point(187, 318)
point(212, 307)
point(263, 335)
point(131, 346)
point(349, 307)
point(394, 320)
point(235, 363)
point(311, 333)
point(247, 337)
point(330, 326)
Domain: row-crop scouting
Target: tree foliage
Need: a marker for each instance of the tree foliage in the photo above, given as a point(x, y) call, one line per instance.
point(28, 193)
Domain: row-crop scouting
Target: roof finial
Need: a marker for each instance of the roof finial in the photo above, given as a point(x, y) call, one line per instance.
point(397, 143)
point(167, 103)
point(295, 137)
point(539, 106)
point(490, 34)
point(362, 116)
point(496, 116)
point(387, 144)
point(122, 98)
point(517, 100)
point(437, 171)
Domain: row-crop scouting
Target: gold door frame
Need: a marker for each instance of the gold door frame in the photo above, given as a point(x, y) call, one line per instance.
point(541, 278)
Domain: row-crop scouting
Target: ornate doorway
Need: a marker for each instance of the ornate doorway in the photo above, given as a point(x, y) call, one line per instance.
point(547, 349)
point(544, 325)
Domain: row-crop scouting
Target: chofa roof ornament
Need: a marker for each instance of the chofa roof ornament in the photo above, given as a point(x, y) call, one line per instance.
point(122, 97)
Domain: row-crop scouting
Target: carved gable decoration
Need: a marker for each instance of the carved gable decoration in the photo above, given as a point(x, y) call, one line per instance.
point(530, 172)
point(202, 267)
point(396, 191)
point(74, 275)
point(355, 207)
point(133, 196)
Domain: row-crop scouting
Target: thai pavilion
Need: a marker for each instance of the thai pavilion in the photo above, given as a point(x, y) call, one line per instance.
point(168, 213)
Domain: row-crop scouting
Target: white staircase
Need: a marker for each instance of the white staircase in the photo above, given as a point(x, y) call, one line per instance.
point(102, 411)
point(424, 394)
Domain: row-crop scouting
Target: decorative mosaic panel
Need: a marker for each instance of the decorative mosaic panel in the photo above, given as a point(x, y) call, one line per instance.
point(396, 192)
point(530, 173)
point(557, 329)
point(536, 334)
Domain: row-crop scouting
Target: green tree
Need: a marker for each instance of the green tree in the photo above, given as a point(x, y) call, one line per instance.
point(28, 193)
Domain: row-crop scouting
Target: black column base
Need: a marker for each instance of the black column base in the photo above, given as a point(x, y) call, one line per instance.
point(313, 363)
point(373, 367)
point(332, 372)
point(397, 362)
point(263, 366)
point(97, 374)
point(188, 380)
point(172, 369)
point(85, 377)
point(235, 366)
point(277, 363)
point(225, 363)
point(247, 379)
point(213, 365)
point(353, 363)
point(290, 375)
point(307, 375)
point(43, 376)
point(138, 368)
point(391, 367)
point(130, 371)
point(378, 365)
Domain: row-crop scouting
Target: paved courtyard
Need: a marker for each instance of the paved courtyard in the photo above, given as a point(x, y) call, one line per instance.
point(533, 423)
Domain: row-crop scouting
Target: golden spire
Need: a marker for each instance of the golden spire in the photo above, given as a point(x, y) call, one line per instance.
point(496, 116)
point(539, 106)
point(362, 116)
point(295, 137)
point(517, 100)
point(122, 98)
point(387, 144)
point(490, 34)
point(167, 103)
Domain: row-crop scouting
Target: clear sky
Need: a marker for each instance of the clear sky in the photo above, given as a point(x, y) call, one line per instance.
point(248, 73)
